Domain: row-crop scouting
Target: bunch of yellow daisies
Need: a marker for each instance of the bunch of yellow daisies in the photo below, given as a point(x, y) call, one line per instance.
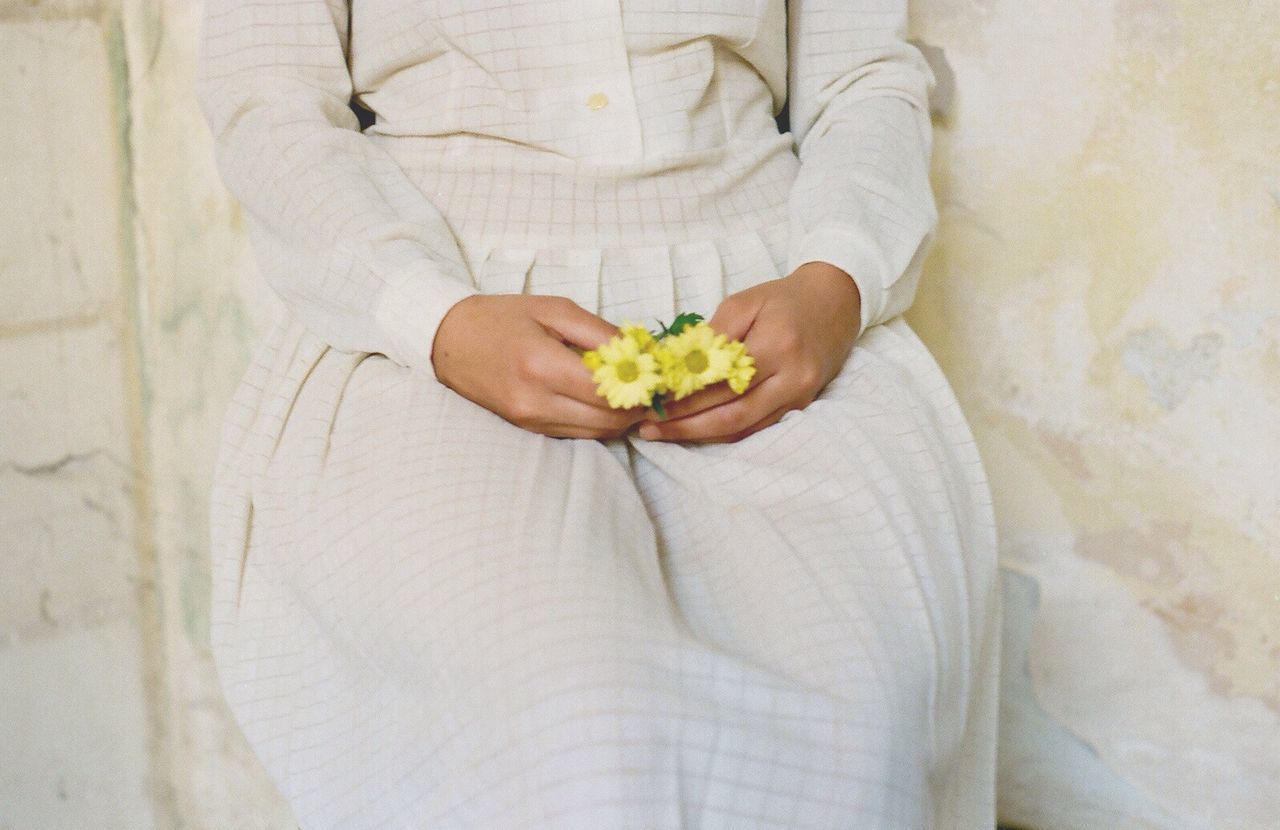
point(639, 367)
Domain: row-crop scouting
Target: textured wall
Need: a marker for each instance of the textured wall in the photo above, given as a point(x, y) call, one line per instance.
point(79, 673)
point(1103, 296)
point(123, 329)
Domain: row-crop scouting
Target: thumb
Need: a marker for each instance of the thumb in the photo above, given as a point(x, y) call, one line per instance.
point(573, 324)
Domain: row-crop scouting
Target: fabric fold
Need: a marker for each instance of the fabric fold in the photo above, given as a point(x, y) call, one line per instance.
point(504, 270)
point(642, 283)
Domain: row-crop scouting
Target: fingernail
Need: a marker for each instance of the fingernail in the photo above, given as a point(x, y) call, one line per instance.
point(648, 431)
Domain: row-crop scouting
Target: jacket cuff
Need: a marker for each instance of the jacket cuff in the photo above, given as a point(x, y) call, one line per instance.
point(409, 311)
point(855, 253)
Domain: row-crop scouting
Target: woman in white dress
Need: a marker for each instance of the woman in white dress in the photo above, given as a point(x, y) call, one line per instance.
point(452, 588)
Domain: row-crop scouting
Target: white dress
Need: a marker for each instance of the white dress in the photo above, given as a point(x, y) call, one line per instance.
point(427, 617)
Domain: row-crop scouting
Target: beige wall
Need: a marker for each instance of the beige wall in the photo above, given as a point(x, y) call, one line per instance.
point(123, 328)
point(1103, 295)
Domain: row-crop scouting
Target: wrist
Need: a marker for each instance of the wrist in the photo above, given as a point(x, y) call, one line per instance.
point(408, 311)
point(455, 323)
point(835, 286)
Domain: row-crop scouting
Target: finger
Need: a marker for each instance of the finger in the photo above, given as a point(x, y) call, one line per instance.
point(564, 373)
point(761, 344)
point(564, 431)
point(565, 410)
point(767, 421)
point(724, 419)
point(572, 323)
point(734, 315)
point(713, 395)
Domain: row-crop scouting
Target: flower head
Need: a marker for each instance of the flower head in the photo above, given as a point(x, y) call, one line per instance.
point(743, 368)
point(625, 368)
point(641, 335)
point(695, 358)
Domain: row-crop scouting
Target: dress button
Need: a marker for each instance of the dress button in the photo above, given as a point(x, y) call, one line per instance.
point(596, 100)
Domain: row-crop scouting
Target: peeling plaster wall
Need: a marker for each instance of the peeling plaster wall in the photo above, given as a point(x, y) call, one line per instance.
point(80, 660)
point(1103, 295)
point(127, 312)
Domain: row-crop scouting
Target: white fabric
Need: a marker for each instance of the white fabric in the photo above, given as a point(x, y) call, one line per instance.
point(424, 616)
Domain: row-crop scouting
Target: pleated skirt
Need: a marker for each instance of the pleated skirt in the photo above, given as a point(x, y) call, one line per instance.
point(424, 616)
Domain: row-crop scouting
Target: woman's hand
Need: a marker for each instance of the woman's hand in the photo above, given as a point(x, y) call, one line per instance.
point(511, 354)
point(800, 328)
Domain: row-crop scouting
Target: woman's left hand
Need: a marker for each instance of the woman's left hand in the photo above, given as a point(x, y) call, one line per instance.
point(800, 328)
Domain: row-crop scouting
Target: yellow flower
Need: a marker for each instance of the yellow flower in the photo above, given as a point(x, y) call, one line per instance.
point(638, 333)
point(625, 369)
point(744, 366)
point(695, 358)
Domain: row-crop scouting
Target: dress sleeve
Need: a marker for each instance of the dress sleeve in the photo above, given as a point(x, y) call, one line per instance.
point(859, 116)
point(354, 249)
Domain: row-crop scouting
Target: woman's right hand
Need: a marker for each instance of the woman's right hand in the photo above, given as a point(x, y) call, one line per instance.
point(511, 354)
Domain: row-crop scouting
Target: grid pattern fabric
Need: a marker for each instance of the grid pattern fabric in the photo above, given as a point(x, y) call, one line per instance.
point(425, 616)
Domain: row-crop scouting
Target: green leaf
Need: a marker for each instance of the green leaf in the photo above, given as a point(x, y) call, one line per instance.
point(656, 403)
point(683, 320)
